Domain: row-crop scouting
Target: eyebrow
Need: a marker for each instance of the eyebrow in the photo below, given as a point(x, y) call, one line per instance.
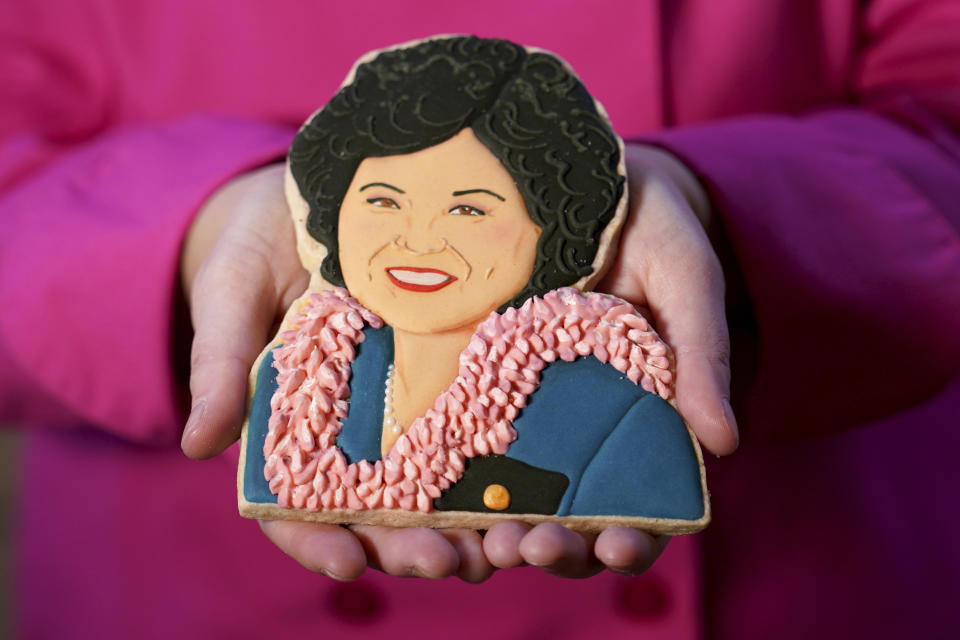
point(382, 184)
point(466, 191)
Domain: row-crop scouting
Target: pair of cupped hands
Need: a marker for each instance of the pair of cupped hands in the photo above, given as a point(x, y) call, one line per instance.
point(240, 272)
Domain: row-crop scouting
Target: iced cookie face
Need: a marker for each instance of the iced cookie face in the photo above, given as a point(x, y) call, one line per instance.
point(437, 239)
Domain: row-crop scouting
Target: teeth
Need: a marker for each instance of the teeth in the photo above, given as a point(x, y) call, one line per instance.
point(417, 277)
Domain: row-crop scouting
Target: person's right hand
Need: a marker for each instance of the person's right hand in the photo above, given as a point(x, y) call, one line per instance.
point(240, 272)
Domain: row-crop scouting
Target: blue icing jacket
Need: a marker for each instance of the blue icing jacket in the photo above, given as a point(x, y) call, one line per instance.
point(589, 442)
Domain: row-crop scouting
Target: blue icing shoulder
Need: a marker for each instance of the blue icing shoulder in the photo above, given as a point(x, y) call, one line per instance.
point(650, 451)
point(615, 434)
point(567, 419)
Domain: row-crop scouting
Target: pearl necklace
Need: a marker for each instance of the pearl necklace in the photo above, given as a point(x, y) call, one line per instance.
point(389, 420)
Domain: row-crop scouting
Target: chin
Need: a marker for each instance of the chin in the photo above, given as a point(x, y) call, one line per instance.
point(424, 319)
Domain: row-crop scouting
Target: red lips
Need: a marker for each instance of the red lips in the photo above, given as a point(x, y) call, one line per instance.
point(419, 278)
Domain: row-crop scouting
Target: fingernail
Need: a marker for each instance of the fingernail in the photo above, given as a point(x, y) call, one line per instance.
point(731, 419)
point(417, 572)
point(332, 575)
point(194, 421)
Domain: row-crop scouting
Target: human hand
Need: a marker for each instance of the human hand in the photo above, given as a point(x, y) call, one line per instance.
point(666, 266)
point(568, 554)
point(240, 271)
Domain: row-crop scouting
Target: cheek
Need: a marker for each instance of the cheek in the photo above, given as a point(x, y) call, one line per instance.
point(361, 232)
point(473, 237)
point(354, 240)
point(518, 248)
point(525, 247)
point(497, 245)
point(351, 225)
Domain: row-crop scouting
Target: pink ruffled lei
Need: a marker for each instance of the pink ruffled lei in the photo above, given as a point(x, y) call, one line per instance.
point(473, 417)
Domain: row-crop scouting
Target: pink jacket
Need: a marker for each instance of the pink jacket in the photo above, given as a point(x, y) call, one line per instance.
point(826, 134)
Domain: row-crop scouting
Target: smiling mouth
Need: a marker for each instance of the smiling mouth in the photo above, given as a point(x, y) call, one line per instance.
point(418, 278)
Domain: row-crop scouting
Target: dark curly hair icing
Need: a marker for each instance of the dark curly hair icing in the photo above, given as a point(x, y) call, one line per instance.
point(526, 108)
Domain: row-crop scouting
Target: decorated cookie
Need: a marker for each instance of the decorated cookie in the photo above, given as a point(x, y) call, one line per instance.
point(455, 202)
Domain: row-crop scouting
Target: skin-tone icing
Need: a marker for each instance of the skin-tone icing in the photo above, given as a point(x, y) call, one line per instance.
point(497, 371)
point(432, 242)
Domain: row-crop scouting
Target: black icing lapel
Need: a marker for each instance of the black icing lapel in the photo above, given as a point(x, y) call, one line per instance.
point(527, 489)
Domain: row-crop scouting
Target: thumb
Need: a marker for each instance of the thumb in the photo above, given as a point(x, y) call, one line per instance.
point(233, 305)
point(692, 321)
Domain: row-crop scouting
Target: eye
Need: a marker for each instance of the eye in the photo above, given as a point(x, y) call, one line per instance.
point(383, 203)
point(466, 210)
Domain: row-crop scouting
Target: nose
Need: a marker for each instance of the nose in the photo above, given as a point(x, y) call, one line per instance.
point(419, 237)
point(422, 247)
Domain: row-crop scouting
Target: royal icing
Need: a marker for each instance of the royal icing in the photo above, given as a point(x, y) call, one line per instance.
point(498, 371)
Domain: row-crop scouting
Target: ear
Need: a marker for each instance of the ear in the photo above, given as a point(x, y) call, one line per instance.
point(310, 251)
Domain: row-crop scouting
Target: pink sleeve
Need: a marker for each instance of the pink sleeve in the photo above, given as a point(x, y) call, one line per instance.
point(845, 226)
point(89, 257)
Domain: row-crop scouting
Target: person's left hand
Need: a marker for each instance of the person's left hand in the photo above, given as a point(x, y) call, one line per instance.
point(568, 554)
point(665, 266)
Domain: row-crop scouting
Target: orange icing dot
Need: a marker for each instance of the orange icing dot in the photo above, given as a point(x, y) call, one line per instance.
point(496, 497)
